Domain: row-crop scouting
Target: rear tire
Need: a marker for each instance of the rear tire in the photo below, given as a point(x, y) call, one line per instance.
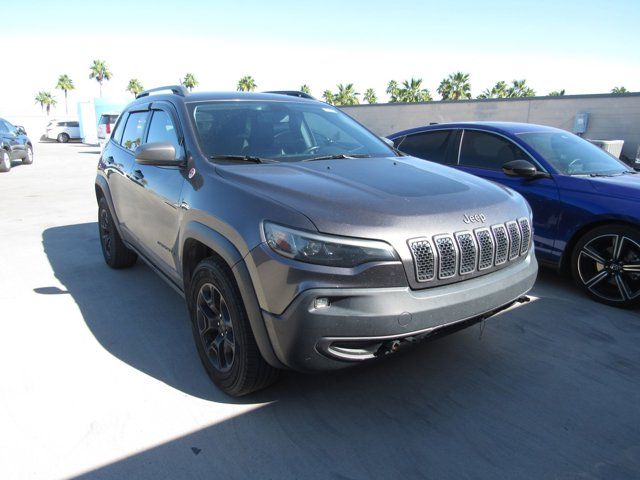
point(116, 253)
point(28, 160)
point(605, 264)
point(5, 161)
point(222, 333)
point(62, 138)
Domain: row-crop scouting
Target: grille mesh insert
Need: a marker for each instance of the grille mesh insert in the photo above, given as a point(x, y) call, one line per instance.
point(468, 252)
point(525, 228)
point(502, 243)
point(423, 259)
point(487, 248)
point(447, 254)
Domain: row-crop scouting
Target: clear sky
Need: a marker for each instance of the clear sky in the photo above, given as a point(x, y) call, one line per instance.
point(581, 46)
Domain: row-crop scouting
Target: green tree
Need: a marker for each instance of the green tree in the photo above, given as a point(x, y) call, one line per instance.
point(134, 87)
point(412, 92)
point(557, 93)
point(370, 96)
point(499, 90)
point(455, 87)
point(100, 71)
point(247, 84)
point(619, 90)
point(393, 91)
point(305, 89)
point(189, 81)
point(519, 88)
point(65, 84)
point(346, 95)
point(328, 97)
point(46, 100)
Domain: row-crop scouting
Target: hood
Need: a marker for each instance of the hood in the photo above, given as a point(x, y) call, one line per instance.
point(622, 186)
point(403, 197)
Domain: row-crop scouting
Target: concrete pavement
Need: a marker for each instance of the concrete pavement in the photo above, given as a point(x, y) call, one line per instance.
point(100, 378)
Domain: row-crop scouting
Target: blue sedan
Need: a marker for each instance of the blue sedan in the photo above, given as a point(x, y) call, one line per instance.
point(585, 202)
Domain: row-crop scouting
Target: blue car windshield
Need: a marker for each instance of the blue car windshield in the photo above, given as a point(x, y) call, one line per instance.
point(572, 155)
point(281, 131)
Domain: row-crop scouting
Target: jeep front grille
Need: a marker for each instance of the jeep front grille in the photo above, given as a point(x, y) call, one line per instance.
point(446, 256)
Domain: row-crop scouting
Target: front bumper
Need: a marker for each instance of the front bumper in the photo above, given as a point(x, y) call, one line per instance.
point(359, 319)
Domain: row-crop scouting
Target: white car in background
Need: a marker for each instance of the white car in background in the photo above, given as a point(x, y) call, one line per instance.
point(105, 126)
point(63, 130)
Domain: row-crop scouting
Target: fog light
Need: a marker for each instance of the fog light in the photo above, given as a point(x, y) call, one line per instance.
point(321, 302)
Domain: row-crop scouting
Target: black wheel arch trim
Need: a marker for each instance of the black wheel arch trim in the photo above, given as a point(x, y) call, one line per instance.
point(230, 254)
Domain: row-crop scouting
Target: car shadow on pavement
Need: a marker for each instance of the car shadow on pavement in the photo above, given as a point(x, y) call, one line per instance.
point(547, 390)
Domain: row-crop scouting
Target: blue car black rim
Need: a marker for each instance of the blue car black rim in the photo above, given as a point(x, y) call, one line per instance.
point(609, 266)
point(215, 327)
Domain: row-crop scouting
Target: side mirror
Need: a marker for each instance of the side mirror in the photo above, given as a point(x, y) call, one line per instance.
point(388, 142)
point(161, 154)
point(21, 130)
point(522, 168)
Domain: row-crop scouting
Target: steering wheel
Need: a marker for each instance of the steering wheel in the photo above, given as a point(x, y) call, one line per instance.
point(572, 164)
point(310, 150)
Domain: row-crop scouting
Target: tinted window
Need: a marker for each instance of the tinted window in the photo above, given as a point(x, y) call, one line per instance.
point(105, 119)
point(134, 130)
point(486, 150)
point(117, 133)
point(161, 129)
point(428, 145)
point(74, 124)
point(62, 124)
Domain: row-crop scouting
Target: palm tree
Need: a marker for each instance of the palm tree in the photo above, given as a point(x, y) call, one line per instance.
point(65, 84)
point(246, 84)
point(455, 87)
point(189, 81)
point(519, 88)
point(619, 90)
point(134, 87)
point(46, 100)
point(393, 91)
point(556, 93)
point(499, 90)
point(328, 97)
point(412, 92)
point(370, 96)
point(100, 71)
point(346, 95)
point(305, 89)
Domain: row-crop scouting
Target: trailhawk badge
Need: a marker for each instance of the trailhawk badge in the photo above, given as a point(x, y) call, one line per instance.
point(476, 218)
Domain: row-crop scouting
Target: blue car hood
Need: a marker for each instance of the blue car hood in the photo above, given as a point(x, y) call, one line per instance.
point(622, 186)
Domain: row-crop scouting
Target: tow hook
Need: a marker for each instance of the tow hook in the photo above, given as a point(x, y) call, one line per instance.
point(523, 299)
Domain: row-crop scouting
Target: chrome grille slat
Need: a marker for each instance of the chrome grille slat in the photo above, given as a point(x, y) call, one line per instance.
point(525, 228)
point(515, 239)
point(447, 256)
point(468, 252)
point(423, 259)
point(487, 248)
point(502, 243)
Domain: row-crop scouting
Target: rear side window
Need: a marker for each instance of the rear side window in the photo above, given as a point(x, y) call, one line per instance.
point(108, 119)
point(161, 129)
point(428, 145)
point(134, 130)
point(486, 150)
point(117, 133)
point(74, 124)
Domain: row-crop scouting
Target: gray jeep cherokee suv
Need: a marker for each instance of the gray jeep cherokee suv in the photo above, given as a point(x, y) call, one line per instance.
point(298, 238)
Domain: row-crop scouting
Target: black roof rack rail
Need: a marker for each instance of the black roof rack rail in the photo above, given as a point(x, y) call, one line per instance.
point(292, 93)
point(175, 89)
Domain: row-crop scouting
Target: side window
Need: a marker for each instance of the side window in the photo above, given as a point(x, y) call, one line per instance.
point(74, 124)
point(161, 129)
point(326, 133)
point(486, 150)
point(428, 145)
point(3, 127)
point(117, 132)
point(134, 130)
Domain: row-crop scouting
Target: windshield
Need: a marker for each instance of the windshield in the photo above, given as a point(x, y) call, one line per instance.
point(283, 131)
point(571, 155)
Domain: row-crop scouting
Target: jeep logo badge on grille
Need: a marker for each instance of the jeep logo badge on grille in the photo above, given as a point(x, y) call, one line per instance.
point(476, 218)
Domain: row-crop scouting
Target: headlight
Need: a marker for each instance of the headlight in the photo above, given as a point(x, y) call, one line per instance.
point(325, 249)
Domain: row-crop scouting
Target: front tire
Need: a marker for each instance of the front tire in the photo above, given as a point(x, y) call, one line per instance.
point(62, 138)
point(605, 263)
point(28, 159)
point(5, 161)
point(221, 330)
point(116, 253)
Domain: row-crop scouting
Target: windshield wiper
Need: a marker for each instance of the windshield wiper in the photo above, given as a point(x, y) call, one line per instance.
point(338, 156)
point(242, 158)
point(630, 172)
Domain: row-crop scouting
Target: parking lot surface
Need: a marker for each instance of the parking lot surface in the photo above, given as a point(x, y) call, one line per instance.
point(100, 378)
